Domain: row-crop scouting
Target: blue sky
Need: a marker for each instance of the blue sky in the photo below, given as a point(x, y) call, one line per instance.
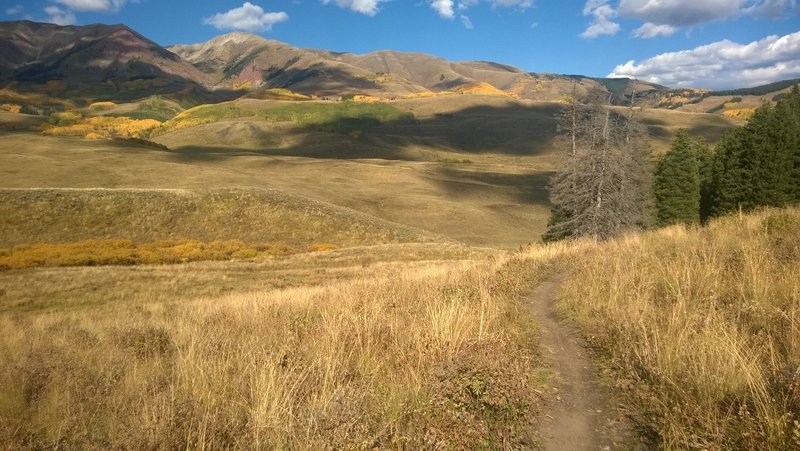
point(701, 43)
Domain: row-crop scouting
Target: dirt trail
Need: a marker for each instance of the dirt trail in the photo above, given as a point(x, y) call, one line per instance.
point(580, 415)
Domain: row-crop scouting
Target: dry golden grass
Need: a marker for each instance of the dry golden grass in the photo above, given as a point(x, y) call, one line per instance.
point(73, 288)
point(493, 201)
point(60, 216)
point(125, 252)
point(701, 328)
point(102, 106)
point(437, 356)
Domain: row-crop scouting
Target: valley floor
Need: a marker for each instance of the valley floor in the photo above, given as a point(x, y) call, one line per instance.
point(384, 301)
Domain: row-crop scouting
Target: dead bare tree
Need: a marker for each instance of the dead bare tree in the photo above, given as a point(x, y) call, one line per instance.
point(603, 187)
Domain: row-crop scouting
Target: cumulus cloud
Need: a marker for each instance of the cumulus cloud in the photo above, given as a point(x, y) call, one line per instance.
point(467, 22)
point(59, 16)
point(665, 17)
point(248, 17)
point(722, 64)
point(444, 8)
point(14, 10)
point(93, 5)
point(651, 30)
point(368, 7)
point(679, 13)
point(602, 23)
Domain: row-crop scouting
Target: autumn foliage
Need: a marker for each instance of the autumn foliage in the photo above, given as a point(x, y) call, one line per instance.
point(126, 252)
point(104, 127)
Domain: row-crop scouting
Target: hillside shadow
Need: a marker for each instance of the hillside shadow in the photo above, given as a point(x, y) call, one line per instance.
point(530, 188)
point(513, 130)
point(140, 80)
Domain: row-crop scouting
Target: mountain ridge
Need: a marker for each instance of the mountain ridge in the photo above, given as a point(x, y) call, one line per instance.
point(116, 62)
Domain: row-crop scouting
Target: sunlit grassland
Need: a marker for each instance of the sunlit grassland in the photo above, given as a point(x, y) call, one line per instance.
point(432, 354)
point(700, 328)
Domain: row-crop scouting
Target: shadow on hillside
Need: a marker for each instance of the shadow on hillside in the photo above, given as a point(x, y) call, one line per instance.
point(136, 81)
point(514, 130)
point(711, 128)
point(528, 188)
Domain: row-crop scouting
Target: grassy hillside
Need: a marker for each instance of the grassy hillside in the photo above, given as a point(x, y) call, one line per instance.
point(250, 215)
point(699, 328)
point(474, 168)
point(662, 125)
point(334, 117)
point(492, 201)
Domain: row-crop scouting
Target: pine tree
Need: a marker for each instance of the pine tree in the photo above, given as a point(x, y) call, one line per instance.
point(705, 166)
point(730, 179)
point(787, 113)
point(759, 164)
point(767, 159)
point(677, 183)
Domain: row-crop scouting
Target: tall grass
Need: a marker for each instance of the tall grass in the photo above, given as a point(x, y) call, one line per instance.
point(438, 356)
point(701, 327)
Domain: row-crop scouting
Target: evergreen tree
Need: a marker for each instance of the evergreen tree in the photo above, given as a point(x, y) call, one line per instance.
point(705, 166)
point(767, 159)
point(787, 113)
point(677, 183)
point(730, 179)
point(759, 164)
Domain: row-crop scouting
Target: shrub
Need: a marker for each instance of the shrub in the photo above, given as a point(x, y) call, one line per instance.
point(64, 118)
point(102, 106)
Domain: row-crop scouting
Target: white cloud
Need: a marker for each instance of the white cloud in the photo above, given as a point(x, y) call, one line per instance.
point(14, 10)
point(368, 7)
point(444, 8)
point(467, 23)
point(771, 8)
point(524, 4)
point(248, 17)
point(602, 23)
point(93, 5)
point(651, 30)
point(722, 64)
point(59, 16)
point(665, 17)
point(680, 13)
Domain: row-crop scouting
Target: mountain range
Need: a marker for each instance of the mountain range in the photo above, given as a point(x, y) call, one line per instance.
point(113, 62)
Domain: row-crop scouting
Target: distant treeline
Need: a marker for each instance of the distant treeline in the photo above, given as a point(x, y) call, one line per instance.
point(757, 90)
